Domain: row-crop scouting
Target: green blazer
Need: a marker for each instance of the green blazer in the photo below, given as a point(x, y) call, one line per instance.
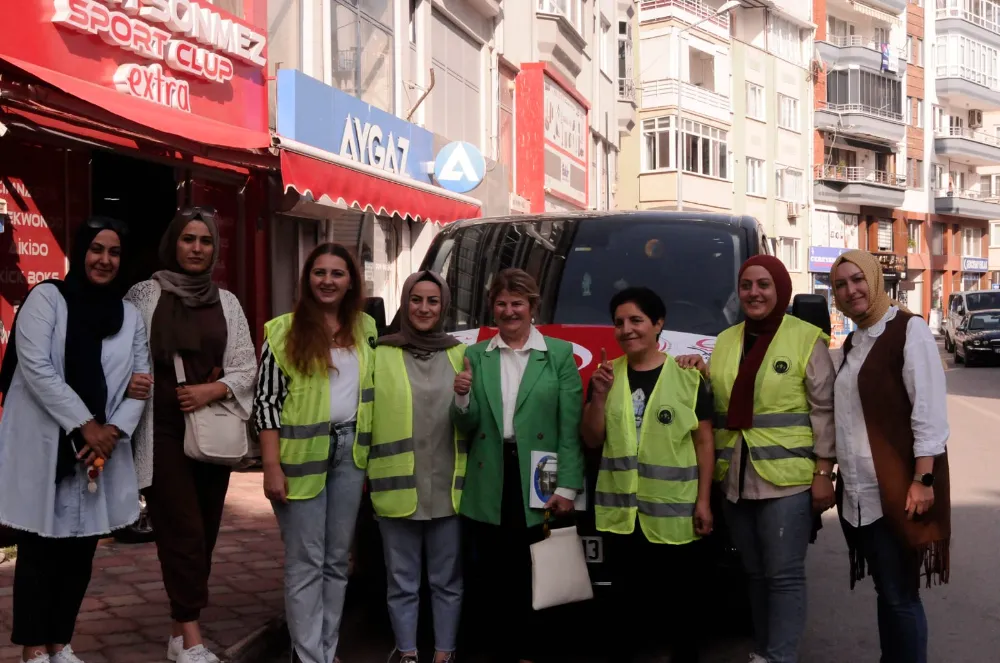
point(549, 407)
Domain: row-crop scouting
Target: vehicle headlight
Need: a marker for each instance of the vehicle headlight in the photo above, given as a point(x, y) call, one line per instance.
point(977, 342)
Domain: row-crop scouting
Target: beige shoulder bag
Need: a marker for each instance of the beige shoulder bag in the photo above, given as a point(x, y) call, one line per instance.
point(212, 434)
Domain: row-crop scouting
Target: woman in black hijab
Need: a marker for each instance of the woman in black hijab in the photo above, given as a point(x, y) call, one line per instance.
point(65, 481)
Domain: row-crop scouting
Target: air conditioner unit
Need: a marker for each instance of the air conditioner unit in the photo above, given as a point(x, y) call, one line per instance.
point(975, 119)
point(794, 209)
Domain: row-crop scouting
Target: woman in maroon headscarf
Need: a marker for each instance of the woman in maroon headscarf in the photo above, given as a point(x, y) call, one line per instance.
point(772, 379)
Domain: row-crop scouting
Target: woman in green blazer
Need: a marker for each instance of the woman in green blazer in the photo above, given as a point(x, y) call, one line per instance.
point(520, 392)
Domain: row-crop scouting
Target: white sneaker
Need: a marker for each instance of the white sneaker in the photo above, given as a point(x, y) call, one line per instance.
point(174, 647)
point(197, 654)
point(42, 657)
point(66, 655)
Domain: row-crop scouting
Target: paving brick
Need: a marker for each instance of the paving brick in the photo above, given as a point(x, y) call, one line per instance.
point(266, 564)
point(99, 588)
point(115, 639)
point(118, 601)
point(236, 598)
point(6, 591)
point(91, 603)
point(10, 653)
point(105, 626)
point(254, 609)
point(93, 615)
point(151, 586)
point(133, 611)
point(223, 625)
point(86, 643)
point(217, 613)
point(121, 570)
point(143, 653)
point(162, 619)
point(147, 577)
point(245, 557)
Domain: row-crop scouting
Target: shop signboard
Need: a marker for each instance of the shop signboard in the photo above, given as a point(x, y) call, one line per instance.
point(821, 258)
point(976, 265)
point(185, 55)
point(567, 137)
point(892, 263)
point(323, 117)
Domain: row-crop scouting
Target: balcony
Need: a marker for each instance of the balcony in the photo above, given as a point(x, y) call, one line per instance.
point(969, 203)
point(956, 18)
point(686, 11)
point(858, 186)
point(666, 91)
point(973, 148)
point(854, 50)
point(963, 86)
point(874, 124)
point(894, 7)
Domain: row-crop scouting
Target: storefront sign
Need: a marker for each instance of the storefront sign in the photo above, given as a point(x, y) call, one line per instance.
point(519, 204)
point(326, 118)
point(978, 265)
point(459, 167)
point(892, 263)
point(566, 140)
point(821, 258)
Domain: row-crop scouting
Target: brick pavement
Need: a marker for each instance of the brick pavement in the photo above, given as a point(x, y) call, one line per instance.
point(126, 618)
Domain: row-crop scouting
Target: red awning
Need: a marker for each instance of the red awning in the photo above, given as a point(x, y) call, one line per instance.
point(145, 113)
point(369, 191)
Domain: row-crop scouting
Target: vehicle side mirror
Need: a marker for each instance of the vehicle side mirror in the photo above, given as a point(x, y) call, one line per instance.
point(375, 307)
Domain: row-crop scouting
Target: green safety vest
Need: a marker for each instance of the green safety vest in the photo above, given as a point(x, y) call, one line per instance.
point(781, 440)
point(658, 479)
point(390, 459)
point(305, 415)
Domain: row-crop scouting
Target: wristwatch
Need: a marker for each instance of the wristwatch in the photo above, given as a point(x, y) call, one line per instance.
point(924, 479)
point(825, 473)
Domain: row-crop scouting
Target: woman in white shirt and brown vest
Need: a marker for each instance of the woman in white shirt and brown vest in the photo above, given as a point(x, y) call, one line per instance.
point(892, 430)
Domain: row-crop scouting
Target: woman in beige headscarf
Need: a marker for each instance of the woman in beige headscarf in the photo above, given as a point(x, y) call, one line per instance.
point(416, 466)
point(892, 432)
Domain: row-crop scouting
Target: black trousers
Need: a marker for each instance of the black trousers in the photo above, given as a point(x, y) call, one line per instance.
point(503, 556)
point(50, 581)
point(658, 597)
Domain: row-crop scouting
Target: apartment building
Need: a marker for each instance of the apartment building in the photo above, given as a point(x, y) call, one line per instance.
point(367, 93)
point(740, 134)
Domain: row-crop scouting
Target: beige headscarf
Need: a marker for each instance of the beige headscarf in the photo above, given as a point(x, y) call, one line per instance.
point(879, 300)
point(408, 336)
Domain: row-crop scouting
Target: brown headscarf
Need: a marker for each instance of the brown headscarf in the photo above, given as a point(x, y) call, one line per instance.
point(879, 301)
point(408, 336)
point(173, 329)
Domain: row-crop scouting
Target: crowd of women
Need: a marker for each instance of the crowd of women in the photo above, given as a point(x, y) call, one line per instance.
point(443, 435)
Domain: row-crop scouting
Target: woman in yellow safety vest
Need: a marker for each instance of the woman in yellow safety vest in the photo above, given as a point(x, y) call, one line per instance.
point(313, 411)
point(772, 380)
point(416, 466)
point(654, 422)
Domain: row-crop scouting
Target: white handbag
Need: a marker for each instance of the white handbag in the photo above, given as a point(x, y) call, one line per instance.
point(559, 570)
point(212, 434)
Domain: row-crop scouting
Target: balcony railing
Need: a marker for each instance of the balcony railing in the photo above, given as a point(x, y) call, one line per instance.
point(863, 109)
point(978, 136)
point(626, 89)
point(968, 73)
point(843, 41)
point(858, 175)
point(991, 21)
point(665, 92)
point(968, 194)
point(696, 7)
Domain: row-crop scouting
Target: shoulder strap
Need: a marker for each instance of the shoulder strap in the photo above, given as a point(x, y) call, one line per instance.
point(848, 344)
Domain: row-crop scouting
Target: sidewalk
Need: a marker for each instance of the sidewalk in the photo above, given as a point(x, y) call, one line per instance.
point(126, 618)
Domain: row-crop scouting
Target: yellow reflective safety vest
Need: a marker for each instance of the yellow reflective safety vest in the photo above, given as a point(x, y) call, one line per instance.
point(391, 459)
point(658, 479)
point(781, 440)
point(305, 416)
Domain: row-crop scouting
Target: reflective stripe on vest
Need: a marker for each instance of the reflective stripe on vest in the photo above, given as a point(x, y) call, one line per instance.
point(781, 440)
point(655, 481)
point(391, 462)
point(304, 437)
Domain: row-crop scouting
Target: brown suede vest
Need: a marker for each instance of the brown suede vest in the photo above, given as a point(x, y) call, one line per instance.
point(886, 406)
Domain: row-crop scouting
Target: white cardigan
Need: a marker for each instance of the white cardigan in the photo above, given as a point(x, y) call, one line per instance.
point(239, 368)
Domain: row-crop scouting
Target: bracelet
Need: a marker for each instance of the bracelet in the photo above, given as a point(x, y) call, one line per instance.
point(825, 473)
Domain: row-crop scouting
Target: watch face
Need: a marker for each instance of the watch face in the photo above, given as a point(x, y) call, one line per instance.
point(927, 479)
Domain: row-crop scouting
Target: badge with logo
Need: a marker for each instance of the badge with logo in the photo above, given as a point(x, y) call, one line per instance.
point(780, 365)
point(665, 416)
point(371, 342)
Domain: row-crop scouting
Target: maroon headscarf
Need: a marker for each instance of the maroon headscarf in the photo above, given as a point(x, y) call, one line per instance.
point(740, 415)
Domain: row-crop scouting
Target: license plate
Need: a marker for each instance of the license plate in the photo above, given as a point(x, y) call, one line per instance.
point(593, 549)
point(996, 350)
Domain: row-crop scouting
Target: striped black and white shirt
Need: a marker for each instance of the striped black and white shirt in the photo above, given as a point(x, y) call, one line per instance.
point(272, 388)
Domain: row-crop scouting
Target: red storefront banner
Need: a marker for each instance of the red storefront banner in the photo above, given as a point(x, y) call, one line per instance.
point(181, 67)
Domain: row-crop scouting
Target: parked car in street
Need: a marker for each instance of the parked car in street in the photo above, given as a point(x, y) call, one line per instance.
point(977, 338)
point(960, 306)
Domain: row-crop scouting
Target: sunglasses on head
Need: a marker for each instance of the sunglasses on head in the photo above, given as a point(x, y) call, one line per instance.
point(107, 223)
point(203, 213)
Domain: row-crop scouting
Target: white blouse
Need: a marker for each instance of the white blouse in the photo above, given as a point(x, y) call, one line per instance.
point(923, 375)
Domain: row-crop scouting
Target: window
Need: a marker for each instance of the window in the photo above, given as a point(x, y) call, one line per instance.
point(909, 111)
point(785, 39)
point(626, 86)
point(937, 239)
point(788, 112)
point(972, 240)
point(961, 57)
point(657, 143)
point(875, 94)
point(506, 157)
point(918, 53)
point(413, 21)
point(606, 47)
point(755, 177)
point(913, 237)
point(938, 119)
point(755, 101)
point(885, 235)
point(788, 252)
point(571, 10)
point(705, 149)
point(919, 113)
point(994, 235)
point(937, 177)
point(456, 102)
point(908, 49)
point(363, 51)
point(985, 186)
point(915, 173)
point(788, 184)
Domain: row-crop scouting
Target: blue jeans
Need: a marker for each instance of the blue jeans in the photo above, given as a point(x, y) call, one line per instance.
point(772, 537)
point(902, 624)
point(317, 534)
point(404, 542)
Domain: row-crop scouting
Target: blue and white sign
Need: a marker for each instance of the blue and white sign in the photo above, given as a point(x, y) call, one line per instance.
point(821, 258)
point(459, 167)
point(978, 265)
point(316, 114)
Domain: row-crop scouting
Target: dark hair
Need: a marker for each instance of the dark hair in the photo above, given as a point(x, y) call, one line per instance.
point(650, 303)
point(308, 340)
point(516, 282)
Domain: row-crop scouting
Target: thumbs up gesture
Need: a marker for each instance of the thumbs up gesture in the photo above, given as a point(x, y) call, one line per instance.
point(463, 381)
point(604, 376)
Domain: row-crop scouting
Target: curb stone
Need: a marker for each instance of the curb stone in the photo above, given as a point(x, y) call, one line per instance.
point(256, 646)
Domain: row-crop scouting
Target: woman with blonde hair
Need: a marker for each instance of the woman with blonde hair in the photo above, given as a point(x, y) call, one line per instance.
point(313, 404)
point(892, 432)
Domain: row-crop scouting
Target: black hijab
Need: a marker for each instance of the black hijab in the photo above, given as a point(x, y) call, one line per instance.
point(94, 313)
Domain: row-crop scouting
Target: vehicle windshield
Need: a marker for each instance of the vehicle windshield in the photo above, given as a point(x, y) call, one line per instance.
point(984, 322)
point(692, 265)
point(979, 301)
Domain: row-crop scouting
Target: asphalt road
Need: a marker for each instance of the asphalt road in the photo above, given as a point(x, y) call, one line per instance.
point(964, 615)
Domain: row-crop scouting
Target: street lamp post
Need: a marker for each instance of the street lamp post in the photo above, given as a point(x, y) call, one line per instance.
point(679, 146)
